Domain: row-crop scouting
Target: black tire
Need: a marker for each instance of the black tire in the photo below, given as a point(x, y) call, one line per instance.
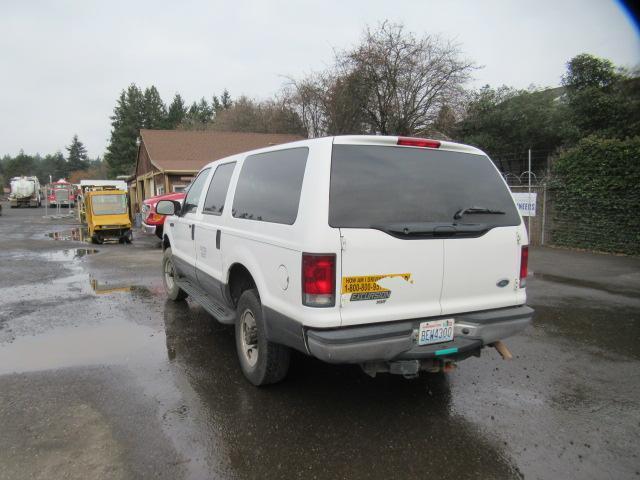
point(97, 239)
point(159, 231)
point(271, 359)
point(174, 292)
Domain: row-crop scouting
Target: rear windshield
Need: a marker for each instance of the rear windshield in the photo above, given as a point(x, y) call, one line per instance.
point(109, 204)
point(373, 185)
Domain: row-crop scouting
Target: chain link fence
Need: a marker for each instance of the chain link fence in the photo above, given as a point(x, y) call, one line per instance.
point(551, 225)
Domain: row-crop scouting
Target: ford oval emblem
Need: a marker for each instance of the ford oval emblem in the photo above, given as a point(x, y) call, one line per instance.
point(503, 283)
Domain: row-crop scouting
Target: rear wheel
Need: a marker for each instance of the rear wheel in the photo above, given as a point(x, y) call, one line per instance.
point(262, 362)
point(159, 231)
point(174, 292)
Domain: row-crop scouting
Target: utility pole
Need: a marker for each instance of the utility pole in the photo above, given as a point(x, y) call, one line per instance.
point(529, 190)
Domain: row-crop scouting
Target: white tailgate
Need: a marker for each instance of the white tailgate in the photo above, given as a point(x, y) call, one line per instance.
point(473, 267)
point(404, 277)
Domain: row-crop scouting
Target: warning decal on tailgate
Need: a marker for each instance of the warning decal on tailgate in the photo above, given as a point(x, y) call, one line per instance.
point(369, 283)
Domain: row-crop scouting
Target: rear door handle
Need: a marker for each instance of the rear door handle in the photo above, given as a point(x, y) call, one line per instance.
point(193, 230)
point(218, 233)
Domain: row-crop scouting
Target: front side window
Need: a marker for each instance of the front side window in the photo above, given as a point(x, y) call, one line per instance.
point(193, 195)
point(214, 203)
point(269, 186)
point(109, 204)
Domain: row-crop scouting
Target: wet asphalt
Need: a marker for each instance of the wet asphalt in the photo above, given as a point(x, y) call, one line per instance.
point(102, 377)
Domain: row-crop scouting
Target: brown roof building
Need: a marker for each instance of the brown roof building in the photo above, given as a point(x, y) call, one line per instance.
point(168, 159)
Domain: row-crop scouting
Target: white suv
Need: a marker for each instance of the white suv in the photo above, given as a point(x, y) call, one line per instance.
point(399, 254)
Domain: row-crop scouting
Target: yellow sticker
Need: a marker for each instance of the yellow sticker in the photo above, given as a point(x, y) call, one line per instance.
point(369, 283)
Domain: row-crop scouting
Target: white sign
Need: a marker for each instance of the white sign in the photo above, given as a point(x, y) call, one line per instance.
point(526, 203)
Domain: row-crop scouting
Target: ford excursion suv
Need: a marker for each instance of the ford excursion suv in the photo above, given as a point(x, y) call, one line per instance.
point(398, 254)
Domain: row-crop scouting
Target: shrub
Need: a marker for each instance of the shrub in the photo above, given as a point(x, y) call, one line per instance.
point(597, 196)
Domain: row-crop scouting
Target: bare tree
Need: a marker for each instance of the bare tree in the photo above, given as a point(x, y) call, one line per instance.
point(391, 83)
point(408, 79)
point(307, 98)
point(269, 116)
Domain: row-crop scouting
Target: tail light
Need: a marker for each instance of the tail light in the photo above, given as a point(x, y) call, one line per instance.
point(524, 265)
point(318, 280)
point(418, 142)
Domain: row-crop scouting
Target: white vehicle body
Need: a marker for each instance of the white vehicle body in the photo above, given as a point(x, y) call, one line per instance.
point(388, 280)
point(25, 191)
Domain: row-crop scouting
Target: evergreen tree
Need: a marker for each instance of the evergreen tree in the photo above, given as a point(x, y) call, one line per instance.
point(192, 113)
point(126, 122)
point(225, 100)
point(217, 106)
point(77, 159)
point(205, 111)
point(154, 111)
point(54, 165)
point(177, 112)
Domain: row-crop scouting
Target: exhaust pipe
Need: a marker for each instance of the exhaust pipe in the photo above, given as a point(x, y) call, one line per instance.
point(502, 349)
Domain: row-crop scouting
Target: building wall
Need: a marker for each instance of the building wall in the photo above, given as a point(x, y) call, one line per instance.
point(179, 181)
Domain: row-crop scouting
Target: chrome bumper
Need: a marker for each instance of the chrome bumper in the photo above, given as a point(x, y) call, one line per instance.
point(148, 228)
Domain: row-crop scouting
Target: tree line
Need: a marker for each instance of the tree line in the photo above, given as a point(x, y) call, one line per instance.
point(398, 83)
point(394, 82)
point(136, 109)
point(76, 165)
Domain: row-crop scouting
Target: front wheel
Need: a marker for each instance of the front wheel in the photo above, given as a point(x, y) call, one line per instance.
point(174, 292)
point(262, 362)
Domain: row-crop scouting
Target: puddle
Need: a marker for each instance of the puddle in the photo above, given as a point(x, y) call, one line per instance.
point(108, 344)
point(69, 254)
point(77, 234)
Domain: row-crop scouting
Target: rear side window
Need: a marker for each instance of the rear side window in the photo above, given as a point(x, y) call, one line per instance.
point(269, 186)
point(193, 195)
point(375, 185)
point(214, 203)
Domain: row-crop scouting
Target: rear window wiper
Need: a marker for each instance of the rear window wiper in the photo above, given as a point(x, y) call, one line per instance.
point(432, 229)
point(466, 211)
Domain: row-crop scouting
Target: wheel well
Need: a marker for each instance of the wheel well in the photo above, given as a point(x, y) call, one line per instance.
point(165, 243)
point(239, 280)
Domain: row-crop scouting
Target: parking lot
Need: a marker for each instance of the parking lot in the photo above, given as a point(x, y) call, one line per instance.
point(102, 377)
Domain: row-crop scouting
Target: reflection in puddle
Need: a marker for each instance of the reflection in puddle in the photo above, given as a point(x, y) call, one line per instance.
point(102, 288)
point(78, 234)
point(69, 254)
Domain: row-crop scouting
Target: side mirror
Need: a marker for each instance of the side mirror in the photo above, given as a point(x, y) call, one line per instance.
point(167, 207)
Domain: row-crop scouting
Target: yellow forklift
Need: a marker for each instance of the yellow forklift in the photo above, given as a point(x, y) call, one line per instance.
point(106, 213)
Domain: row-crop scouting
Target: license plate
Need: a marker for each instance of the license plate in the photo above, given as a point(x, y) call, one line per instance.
point(435, 331)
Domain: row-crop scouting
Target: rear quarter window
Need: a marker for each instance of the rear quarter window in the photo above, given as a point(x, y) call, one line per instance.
point(269, 186)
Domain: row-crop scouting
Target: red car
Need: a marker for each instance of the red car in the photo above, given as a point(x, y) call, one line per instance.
point(151, 221)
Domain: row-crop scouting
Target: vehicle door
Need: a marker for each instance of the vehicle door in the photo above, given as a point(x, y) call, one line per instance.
point(375, 194)
point(182, 228)
point(426, 231)
point(209, 232)
point(482, 270)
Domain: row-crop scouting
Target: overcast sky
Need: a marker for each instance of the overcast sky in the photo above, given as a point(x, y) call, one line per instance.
point(63, 63)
